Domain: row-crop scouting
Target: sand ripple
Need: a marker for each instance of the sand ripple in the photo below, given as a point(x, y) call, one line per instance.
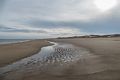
point(51, 58)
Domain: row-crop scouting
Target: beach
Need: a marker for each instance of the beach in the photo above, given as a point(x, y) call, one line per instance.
point(98, 59)
point(10, 53)
point(108, 51)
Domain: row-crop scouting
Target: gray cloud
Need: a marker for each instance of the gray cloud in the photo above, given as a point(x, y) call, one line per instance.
point(8, 29)
point(108, 25)
point(45, 15)
point(2, 3)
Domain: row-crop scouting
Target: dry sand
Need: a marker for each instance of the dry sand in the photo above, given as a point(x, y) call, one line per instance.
point(107, 66)
point(12, 52)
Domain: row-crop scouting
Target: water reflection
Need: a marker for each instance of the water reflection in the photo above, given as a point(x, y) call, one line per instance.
point(50, 58)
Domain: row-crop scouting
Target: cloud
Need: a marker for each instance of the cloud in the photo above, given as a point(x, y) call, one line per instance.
point(57, 18)
point(38, 32)
point(57, 10)
point(8, 29)
point(51, 33)
point(2, 3)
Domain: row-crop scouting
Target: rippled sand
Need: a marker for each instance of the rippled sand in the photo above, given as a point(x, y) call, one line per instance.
point(108, 52)
point(55, 62)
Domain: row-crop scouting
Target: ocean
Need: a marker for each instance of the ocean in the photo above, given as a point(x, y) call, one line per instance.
point(8, 41)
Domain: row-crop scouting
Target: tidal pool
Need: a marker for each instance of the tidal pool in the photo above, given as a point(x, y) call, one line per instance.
point(53, 60)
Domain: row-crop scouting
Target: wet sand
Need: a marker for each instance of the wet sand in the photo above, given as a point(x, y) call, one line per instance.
point(13, 52)
point(108, 51)
point(98, 60)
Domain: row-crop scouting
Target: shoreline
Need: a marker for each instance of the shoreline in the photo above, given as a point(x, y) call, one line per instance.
point(13, 52)
point(13, 41)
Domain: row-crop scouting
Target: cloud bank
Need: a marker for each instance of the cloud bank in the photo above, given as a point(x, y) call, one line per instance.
point(54, 18)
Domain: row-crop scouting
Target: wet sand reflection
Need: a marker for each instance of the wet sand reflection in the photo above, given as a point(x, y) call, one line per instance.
point(53, 59)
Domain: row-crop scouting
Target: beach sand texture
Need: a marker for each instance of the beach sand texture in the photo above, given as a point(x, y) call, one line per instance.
point(108, 51)
point(103, 63)
point(12, 52)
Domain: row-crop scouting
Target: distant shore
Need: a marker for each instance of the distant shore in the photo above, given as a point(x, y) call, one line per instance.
point(15, 51)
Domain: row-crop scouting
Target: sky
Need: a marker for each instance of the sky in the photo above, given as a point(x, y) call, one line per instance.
point(31, 19)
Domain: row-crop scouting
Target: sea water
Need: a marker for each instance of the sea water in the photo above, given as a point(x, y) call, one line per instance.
point(8, 41)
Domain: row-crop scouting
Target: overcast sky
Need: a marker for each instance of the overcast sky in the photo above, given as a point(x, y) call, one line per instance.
point(54, 18)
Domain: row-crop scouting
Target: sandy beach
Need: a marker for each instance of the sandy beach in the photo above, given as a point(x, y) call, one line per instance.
point(12, 52)
point(100, 62)
point(108, 51)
